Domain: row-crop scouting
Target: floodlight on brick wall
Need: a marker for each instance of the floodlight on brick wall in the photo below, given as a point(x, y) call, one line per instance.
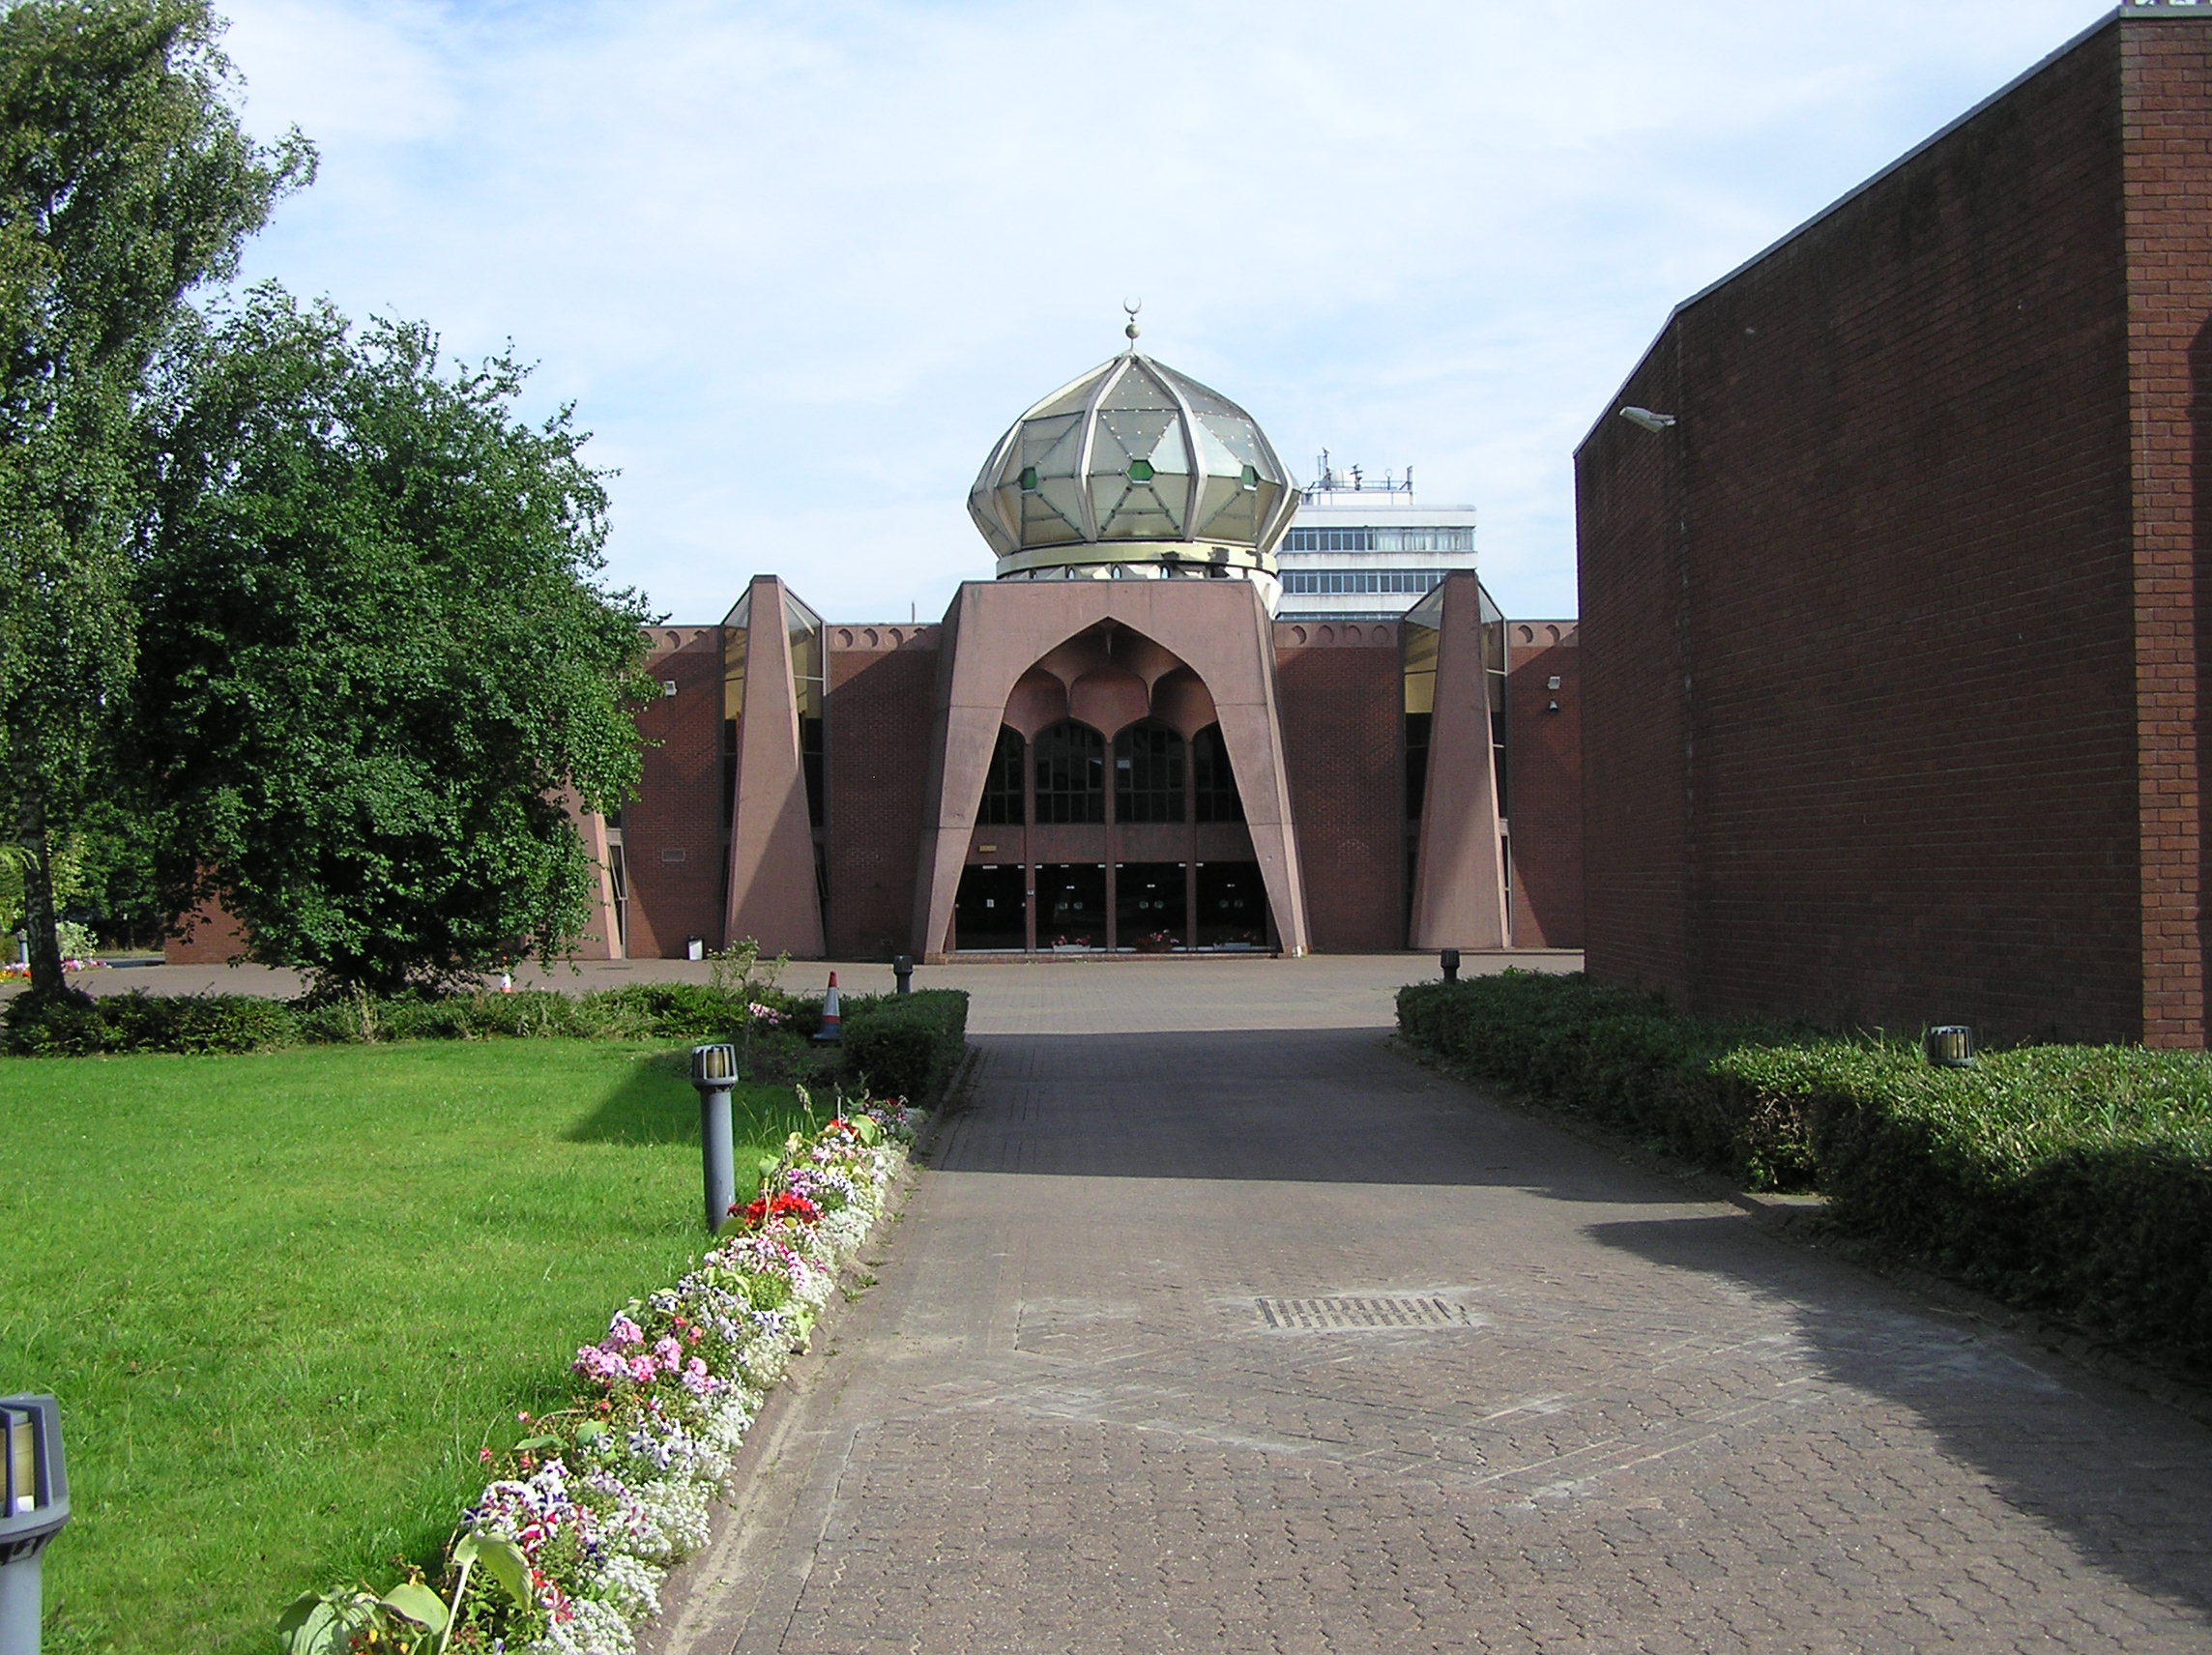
point(35, 1487)
point(713, 1072)
point(1950, 1046)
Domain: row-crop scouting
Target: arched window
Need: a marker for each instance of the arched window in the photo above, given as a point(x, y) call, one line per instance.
point(1070, 774)
point(1002, 783)
point(1211, 778)
point(1148, 773)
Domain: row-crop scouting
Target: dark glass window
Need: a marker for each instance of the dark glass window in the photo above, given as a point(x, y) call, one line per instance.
point(1232, 906)
point(1002, 783)
point(1071, 905)
point(1070, 774)
point(1416, 762)
point(1210, 779)
point(991, 910)
point(1147, 774)
point(1148, 906)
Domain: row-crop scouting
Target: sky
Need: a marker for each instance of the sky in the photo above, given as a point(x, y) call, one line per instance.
point(798, 264)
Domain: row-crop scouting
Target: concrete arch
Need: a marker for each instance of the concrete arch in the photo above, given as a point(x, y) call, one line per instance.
point(998, 635)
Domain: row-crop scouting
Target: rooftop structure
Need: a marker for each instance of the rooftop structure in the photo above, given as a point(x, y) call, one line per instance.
point(1363, 551)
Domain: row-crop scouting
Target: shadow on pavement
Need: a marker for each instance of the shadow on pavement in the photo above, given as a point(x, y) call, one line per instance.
point(2127, 1482)
point(1308, 1106)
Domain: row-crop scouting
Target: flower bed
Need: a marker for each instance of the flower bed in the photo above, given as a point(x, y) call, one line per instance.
point(565, 1553)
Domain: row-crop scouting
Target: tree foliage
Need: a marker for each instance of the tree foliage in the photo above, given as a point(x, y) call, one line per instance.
point(377, 653)
point(126, 181)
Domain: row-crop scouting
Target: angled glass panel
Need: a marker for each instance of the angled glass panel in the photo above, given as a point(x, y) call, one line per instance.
point(1051, 445)
point(1240, 439)
point(1225, 511)
point(1140, 516)
point(1076, 397)
point(1135, 434)
point(1064, 495)
point(1139, 388)
point(1043, 524)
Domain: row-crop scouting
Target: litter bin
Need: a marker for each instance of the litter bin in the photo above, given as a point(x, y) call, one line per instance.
point(694, 947)
point(36, 1491)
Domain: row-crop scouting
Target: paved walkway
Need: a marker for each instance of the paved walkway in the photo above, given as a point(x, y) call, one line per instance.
point(1066, 1421)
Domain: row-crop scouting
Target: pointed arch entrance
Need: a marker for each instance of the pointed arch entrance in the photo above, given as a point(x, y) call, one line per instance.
point(1152, 814)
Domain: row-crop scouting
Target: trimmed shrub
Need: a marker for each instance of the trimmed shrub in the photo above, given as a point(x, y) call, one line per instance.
point(70, 1027)
point(906, 1045)
point(2071, 1179)
point(1620, 1057)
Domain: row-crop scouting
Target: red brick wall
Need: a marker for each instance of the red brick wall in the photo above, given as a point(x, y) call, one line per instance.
point(2167, 115)
point(1635, 712)
point(877, 763)
point(1342, 703)
point(1544, 785)
point(679, 807)
point(1859, 718)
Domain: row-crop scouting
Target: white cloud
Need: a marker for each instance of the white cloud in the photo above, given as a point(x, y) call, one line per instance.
point(800, 264)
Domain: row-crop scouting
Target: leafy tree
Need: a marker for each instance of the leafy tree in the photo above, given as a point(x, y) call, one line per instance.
point(126, 181)
point(376, 654)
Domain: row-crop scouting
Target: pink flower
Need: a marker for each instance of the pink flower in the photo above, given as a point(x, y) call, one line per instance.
point(624, 1331)
point(641, 1369)
point(670, 1352)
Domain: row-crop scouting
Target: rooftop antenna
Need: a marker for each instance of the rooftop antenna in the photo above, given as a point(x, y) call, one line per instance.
point(1132, 330)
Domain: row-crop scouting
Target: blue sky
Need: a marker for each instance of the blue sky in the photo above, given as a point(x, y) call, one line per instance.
point(798, 264)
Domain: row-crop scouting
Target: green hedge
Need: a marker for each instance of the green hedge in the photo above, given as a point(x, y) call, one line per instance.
point(2071, 1179)
point(70, 1027)
point(1622, 1057)
point(906, 1045)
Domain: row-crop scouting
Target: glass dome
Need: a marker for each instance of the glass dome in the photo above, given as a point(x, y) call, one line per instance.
point(1134, 471)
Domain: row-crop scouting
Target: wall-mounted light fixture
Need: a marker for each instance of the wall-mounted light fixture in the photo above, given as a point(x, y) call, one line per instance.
point(1644, 417)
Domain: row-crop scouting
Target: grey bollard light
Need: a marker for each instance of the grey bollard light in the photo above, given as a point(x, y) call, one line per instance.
point(36, 1489)
point(714, 1071)
point(1450, 961)
point(902, 968)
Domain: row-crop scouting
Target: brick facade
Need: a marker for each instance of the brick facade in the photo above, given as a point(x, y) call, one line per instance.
point(1891, 642)
point(1544, 782)
point(877, 763)
point(673, 832)
point(1343, 713)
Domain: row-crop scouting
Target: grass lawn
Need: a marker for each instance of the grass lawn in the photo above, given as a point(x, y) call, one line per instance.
point(284, 1298)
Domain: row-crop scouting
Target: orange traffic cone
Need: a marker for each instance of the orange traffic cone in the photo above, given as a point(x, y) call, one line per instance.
point(833, 1020)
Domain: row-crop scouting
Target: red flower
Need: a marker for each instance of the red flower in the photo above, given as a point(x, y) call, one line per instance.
point(781, 1206)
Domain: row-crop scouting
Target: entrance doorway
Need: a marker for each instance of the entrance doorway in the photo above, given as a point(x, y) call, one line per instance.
point(1071, 905)
point(1149, 907)
point(1232, 906)
point(991, 910)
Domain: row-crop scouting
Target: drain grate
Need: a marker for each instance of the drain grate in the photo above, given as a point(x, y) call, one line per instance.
point(1355, 1315)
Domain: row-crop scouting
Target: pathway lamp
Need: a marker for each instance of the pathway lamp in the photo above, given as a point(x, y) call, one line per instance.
point(1950, 1046)
point(36, 1491)
point(713, 1072)
point(1450, 960)
point(902, 969)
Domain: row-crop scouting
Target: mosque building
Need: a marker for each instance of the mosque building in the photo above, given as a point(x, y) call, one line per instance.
point(1122, 744)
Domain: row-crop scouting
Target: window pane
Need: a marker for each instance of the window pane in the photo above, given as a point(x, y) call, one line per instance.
point(1211, 780)
point(1002, 783)
point(1147, 774)
point(1070, 776)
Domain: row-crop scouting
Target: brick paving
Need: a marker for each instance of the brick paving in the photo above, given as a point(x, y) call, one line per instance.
point(1062, 1421)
